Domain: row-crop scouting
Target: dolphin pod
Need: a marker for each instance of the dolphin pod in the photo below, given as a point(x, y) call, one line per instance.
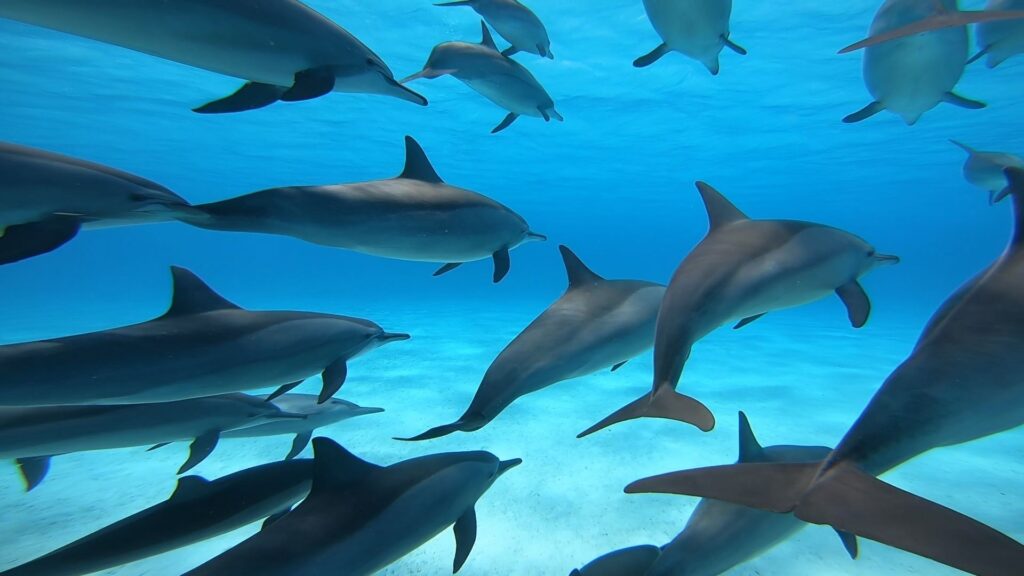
point(742, 270)
point(961, 382)
point(514, 22)
point(697, 28)
point(286, 50)
point(986, 170)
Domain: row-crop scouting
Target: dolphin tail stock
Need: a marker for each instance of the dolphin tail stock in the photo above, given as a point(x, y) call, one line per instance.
point(665, 403)
point(460, 425)
point(23, 241)
point(851, 501)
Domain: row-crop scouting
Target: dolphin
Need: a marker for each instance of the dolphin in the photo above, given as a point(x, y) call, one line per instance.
point(719, 535)
point(360, 517)
point(497, 77)
point(961, 382)
point(198, 509)
point(985, 170)
point(595, 325)
point(913, 74)
point(1000, 39)
point(286, 50)
point(317, 415)
point(944, 18)
point(697, 28)
point(514, 22)
point(414, 216)
point(203, 345)
point(46, 198)
point(742, 270)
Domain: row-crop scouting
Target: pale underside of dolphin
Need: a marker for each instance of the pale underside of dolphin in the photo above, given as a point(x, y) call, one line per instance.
point(962, 382)
point(985, 169)
point(698, 29)
point(286, 50)
point(514, 22)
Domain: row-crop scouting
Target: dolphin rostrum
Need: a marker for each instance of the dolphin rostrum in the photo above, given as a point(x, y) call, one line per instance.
point(962, 382)
point(286, 50)
point(360, 517)
point(719, 535)
point(46, 198)
point(203, 345)
point(1000, 39)
point(742, 270)
point(198, 509)
point(414, 216)
point(912, 75)
point(697, 28)
point(497, 77)
point(514, 22)
point(595, 325)
point(985, 170)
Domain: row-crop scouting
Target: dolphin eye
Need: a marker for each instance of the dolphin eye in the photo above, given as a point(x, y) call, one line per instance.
point(871, 253)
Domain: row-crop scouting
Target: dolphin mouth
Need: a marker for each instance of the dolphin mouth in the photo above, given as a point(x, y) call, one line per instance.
point(405, 93)
point(887, 259)
point(506, 465)
point(393, 337)
point(287, 416)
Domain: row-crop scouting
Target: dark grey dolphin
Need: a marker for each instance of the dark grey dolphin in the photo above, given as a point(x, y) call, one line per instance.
point(46, 198)
point(203, 345)
point(497, 77)
point(984, 169)
point(595, 325)
point(962, 382)
point(286, 50)
point(360, 517)
point(719, 535)
point(742, 270)
point(414, 216)
point(514, 22)
point(198, 509)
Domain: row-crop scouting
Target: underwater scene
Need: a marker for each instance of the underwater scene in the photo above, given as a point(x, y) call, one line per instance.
point(593, 287)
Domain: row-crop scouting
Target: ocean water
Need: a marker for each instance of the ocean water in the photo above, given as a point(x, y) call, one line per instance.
point(614, 182)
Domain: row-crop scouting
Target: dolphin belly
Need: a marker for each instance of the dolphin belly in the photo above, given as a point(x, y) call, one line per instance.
point(695, 28)
point(511, 93)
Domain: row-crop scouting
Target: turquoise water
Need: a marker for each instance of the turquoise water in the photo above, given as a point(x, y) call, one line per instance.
point(614, 182)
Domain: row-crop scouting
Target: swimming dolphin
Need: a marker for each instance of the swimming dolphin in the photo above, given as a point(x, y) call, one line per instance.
point(497, 77)
point(697, 28)
point(911, 75)
point(198, 509)
point(985, 170)
point(962, 382)
point(414, 216)
point(595, 325)
point(31, 435)
point(943, 18)
point(286, 50)
point(360, 517)
point(514, 22)
point(742, 270)
point(46, 198)
point(203, 345)
point(719, 535)
point(317, 415)
point(1000, 39)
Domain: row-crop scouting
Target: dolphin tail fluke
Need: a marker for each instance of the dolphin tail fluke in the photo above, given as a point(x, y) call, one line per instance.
point(459, 425)
point(864, 113)
point(664, 403)
point(651, 57)
point(23, 241)
point(251, 96)
point(33, 470)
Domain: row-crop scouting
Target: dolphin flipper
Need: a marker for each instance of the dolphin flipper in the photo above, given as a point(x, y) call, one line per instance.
point(505, 123)
point(746, 321)
point(333, 376)
point(619, 365)
point(634, 560)
point(274, 518)
point(502, 263)
point(858, 305)
point(251, 96)
point(958, 100)
point(850, 543)
point(200, 448)
point(33, 470)
point(652, 57)
point(664, 403)
point(438, 431)
point(283, 390)
point(299, 444)
point(310, 84)
point(510, 51)
point(447, 268)
point(465, 537)
point(23, 241)
point(864, 113)
point(981, 53)
point(734, 46)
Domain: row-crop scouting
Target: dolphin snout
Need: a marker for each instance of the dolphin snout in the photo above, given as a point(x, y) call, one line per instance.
point(506, 465)
point(534, 237)
point(387, 337)
point(886, 259)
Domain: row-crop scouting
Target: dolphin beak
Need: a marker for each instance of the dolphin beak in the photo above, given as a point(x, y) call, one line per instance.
point(534, 237)
point(404, 93)
point(364, 410)
point(425, 73)
point(886, 259)
point(506, 465)
point(392, 337)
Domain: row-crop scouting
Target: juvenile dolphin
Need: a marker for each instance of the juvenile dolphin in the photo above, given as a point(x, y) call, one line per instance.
point(985, 170)
point(286, 50)
point(46, 198)
point(697, 28)
point(913, 74)
point(719, 535)
point(742, 270)
point(595, 325)
point(962, 382)
point(360, 517)
point(198, 509)
point(514, 22)
point(497, 77)
point(1000, 39)
point(414, 216)
point(203, 345)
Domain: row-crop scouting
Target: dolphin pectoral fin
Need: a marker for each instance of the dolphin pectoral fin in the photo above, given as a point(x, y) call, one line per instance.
point(465, 537)
point(746, 321)
point(664, 403)
point(23, 241)
point(651, 57)
point(734, 46)
point(299, 444)
point(447, 268)
point(283, 390)
point(864, 113)
point(310, 84)
point(505, 123)
point(1014, 186)
point(619, 365)
point(627, 561)
point(502, 263)
point(958, 100)
point(508, 52)
point(992, 197)
point(981, 54)
point(850, 543)
point(251, 96)
point(333, 376)
point(33, 470)
point(858, 305)
point(157, 446)
point(200, 448)
point(439, 431)
point(274, 518)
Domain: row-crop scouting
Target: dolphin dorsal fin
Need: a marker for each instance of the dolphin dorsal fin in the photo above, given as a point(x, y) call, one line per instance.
point(576, 270)
point(720, 210)
point(193, 296)
point(750, 448)
point(417, 166)
point(1015, 188)
point(335, 468)
point(962, 146)
point(189, 486)
point(487, 40)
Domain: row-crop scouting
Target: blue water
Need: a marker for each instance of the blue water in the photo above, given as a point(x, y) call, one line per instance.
point(614, 182)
